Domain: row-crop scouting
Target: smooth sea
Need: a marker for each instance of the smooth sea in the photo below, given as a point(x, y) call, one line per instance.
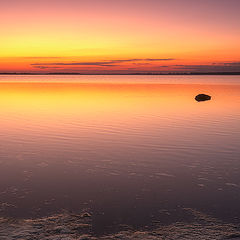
point(119, 157)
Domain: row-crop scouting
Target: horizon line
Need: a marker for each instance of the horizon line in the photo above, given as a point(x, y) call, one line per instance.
point(144, 73)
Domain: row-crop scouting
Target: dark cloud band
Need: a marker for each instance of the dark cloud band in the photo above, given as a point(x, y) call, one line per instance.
point(109, 63)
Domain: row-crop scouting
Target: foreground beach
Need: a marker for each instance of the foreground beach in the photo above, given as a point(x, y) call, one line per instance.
point(68, 226)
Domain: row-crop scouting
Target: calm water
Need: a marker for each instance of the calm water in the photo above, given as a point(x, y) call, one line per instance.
point(131, 150)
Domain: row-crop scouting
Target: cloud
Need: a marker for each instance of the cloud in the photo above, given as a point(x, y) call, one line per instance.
point(47, 67)
point(142, 64)
point(232, 63)
point(214, 67)
point(107, 63)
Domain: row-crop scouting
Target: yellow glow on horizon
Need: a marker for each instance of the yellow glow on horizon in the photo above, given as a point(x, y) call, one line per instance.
point(84, 32)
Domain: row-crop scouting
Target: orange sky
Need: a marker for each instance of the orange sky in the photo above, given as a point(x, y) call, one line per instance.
point(119, 36)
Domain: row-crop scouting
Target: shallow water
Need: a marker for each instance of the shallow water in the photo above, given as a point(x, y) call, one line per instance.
point(130, 150)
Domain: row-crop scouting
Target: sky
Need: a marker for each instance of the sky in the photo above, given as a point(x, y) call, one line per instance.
point(113, 36)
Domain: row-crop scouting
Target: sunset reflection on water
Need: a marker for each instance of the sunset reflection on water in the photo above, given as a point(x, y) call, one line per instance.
point(124, 150)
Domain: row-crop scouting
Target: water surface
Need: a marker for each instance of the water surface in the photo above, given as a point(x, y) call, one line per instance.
point(131, 150)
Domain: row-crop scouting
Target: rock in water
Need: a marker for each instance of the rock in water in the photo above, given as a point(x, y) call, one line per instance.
point(202, 97)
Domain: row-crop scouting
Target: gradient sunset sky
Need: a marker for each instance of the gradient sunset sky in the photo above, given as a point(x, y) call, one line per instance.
point(113, 36)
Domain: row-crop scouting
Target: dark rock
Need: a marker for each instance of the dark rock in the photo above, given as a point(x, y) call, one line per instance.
point(202, 97)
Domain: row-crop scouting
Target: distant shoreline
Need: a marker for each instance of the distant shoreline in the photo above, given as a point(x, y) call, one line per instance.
point(129, 74)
